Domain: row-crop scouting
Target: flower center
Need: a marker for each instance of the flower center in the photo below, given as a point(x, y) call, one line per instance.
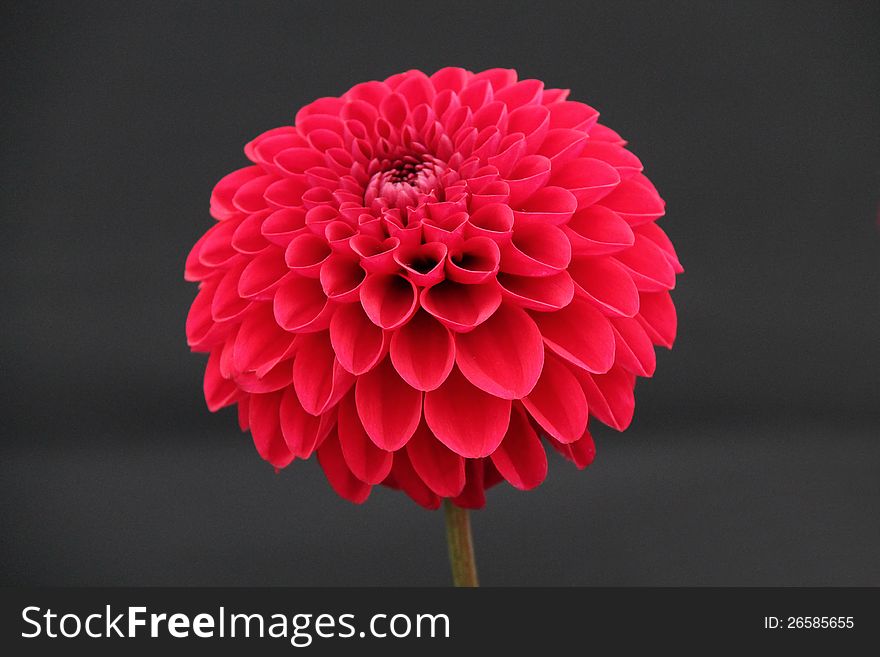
point(401, 182)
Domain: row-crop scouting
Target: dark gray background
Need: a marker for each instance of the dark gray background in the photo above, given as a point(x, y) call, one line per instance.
point(754, 455)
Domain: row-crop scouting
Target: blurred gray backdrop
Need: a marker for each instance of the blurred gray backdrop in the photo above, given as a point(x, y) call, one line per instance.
point(753, 458)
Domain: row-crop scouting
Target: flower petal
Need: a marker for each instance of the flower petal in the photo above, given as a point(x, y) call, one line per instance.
point(366, 461)
point(648, 265)
point(658, 317)
point(388, 406)
point(635, 201)
point(634, 350)
point(359, 344)
point(301, 430)
point(470, 422)
point(441, 469)
point(520, 457)
point(265, 426)
point(389, 300)
point(544, 293)
point(610, 396)
point(406, 478)
point(473, 496)
point(580, 334)
point(502, 356)
point(557, 403)
point(606, 284)
point(536, 250)
point(587, 178)
point(319, 379)
point(423, 352)
point(338, 473)
point(459, 306)
point(301, 306)
point(219, 391)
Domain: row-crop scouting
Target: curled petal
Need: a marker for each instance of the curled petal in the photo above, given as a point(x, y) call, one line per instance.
point(558, 403)
point(635, 201)
point(658, 317)
point(301, 431)
point(423, 352)
point(546, 293)
point(527, 176)
point(265, 426)
point(596, 230)
point(194, 270)
point(227, 303)
point(260, 343)
point(648, 265)
point(219, 391)
point(610, 396)
point(319, 217)
point(624, 161)
point(549, 205)
point(536, 250)
point(603, 133)
point(581, 452)
point(580, 334)
point(306, 254)
point(248, 237)
point(502, 356)
point(524, 92)
point(263, 275)
point(606, 284)
point(423, 263)
point(572, 115)
point(475, 261)
point(562, 145)
point(510, 150)
point(388, 406)
point(587, 178)
point(271, 379)
point(451, 77)
point(499, 78)
point(494, 221)
point(633, 348)
point(377, 256)
point(448, 229)
point(341, 278)
point(297, 160)
point(358, 343)
point(440, 468)
point(417, 90)
point(224, 191)
point(520, 458)
point(285, 193)
point(405, 477)
point(654, 233)
point(473, 496)
point(367, 462)
point(533, 121)
point(282, 225)
point(389, 300)
point(461, 307)
point(339, 474)
point(301, 306)
point(319, 379)
point(201, 330)
point(470, 422)
point(217, 249)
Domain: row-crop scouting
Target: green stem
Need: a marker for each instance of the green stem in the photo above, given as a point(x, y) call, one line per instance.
point(461, 546)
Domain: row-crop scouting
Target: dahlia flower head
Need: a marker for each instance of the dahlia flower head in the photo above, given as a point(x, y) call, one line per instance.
point(427, 279)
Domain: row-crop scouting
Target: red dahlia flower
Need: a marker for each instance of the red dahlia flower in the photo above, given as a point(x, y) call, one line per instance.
point(423, 278)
